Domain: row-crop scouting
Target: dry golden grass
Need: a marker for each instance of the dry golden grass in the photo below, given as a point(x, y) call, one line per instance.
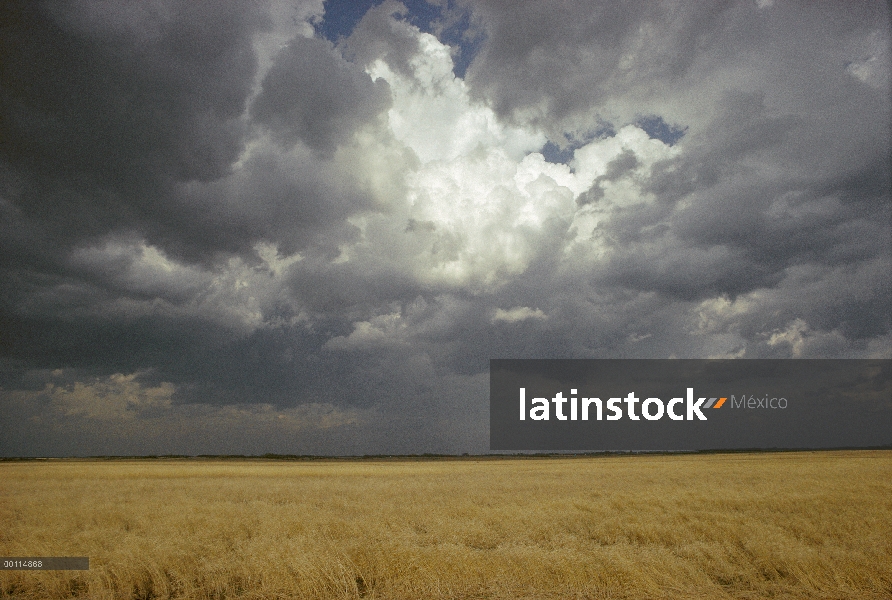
point(789, 525)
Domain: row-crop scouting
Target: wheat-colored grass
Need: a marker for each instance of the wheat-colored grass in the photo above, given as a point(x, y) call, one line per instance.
point(787, 525)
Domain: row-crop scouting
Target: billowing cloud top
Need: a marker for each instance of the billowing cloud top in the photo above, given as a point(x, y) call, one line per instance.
point(305, 227)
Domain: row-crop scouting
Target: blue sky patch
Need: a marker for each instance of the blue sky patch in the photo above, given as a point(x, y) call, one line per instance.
point(554, 154)
point(658, 129)
point(342, 16)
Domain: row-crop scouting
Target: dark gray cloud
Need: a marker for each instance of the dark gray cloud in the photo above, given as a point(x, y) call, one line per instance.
point(314, 95)
point(106, 108)
point(558, 64)
point(120, 92)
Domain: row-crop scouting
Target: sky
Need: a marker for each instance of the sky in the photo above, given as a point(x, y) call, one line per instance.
point(306, 227)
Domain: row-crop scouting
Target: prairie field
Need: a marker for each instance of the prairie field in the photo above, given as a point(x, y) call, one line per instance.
point(761, 525)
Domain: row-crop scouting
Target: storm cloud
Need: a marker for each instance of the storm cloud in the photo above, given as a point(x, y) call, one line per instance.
point(270, 227)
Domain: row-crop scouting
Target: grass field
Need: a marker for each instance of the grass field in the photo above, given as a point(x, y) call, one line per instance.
point(785, 525)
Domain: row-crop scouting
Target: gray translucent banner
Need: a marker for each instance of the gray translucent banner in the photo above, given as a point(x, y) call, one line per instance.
point(45, 563)
point(676, 405)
